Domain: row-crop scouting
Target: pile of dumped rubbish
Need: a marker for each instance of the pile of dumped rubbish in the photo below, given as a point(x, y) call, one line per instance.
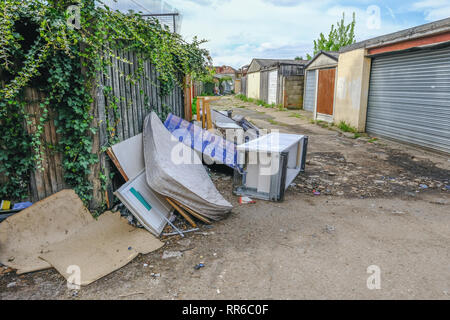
point(164, 173)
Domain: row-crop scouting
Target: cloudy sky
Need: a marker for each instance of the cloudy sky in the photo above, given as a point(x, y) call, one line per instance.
point(239, 30)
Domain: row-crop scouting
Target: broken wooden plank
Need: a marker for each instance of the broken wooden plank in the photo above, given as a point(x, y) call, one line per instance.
point(193, 213)
point(198, 109)
point(117, 164)
point(208, 116)
point(182, 212)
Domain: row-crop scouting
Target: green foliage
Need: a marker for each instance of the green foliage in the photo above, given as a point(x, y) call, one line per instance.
point(322, 123)
point(341, 36)
point(346, 127)
point(194, 106)
point(227, 78)
point(273, 122)
point(296, 115)
point(39, 49)
point(244, 98)
point(260, 102)
point(208, 76)
point(208, 89)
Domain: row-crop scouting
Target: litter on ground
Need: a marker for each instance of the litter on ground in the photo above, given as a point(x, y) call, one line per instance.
point(246, 200)
point(100, 248)
point(28, 233)
point(65, 235)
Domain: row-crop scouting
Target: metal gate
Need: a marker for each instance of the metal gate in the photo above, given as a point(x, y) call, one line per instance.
point(409, 98)
point(273, 85)
point(310, 91)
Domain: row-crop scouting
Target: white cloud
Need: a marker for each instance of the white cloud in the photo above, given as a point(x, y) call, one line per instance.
point(241, 30)
point(284, 3)
point(433, 9)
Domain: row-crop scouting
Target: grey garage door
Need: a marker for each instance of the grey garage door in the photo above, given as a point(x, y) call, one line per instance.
point(310, 91)
point(409, 98)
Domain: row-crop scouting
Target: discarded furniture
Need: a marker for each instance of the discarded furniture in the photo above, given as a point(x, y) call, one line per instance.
point(174, 170)
point(211, 147)
point(149, 205)
point(204, 111)
point(251, 130)
point(128, 157)
point(270, 165)
point(150, 209)
point(133, 167)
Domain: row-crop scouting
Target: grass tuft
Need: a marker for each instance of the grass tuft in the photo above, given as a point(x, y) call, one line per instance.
point(296, 115)
point(244, 98)
point(346, 127)
point(273, 122)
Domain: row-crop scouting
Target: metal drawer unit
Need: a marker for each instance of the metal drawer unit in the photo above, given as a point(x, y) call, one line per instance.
point(269, 165)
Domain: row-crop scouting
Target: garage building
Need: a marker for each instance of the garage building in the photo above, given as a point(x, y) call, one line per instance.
point(282, 83)
point(320, 85)
point(398, 86)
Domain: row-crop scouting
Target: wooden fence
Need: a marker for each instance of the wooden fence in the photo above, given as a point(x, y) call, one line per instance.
point(135, 102)
point(50, 180)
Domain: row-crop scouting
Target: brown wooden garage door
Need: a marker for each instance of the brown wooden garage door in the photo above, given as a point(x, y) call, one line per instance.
point(325, 91)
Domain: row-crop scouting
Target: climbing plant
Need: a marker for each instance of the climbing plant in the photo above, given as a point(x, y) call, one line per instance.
point(41, 48)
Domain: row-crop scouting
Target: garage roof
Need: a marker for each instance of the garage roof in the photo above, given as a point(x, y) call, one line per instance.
point(424, 30)
point(259, 64)
point(331, 54)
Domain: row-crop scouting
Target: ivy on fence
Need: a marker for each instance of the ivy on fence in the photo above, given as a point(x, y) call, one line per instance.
point(40, 49)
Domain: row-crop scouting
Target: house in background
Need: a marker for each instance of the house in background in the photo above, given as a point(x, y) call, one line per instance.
point(398, 86)
point(320, 85)
point(226, 77)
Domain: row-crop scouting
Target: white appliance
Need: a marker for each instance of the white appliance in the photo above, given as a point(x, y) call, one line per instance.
point(268, 165)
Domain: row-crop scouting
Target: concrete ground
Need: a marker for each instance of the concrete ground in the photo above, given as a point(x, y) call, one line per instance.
point(381, 204)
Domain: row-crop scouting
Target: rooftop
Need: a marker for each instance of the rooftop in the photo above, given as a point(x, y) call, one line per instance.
point(331, 54)
point(266, 63)
point(424, 30)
